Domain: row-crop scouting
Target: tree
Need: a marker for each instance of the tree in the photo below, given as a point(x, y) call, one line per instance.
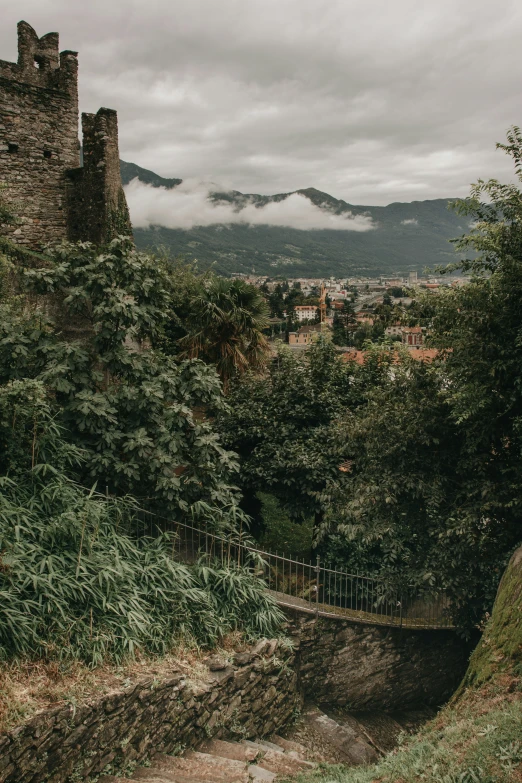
point(76, 583)
point(276, 302)
point(227, 319)
point(435, 491)
point(280, 424)
point(399, 512)
point(339, 336)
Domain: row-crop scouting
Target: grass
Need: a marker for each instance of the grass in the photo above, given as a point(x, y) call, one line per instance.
point(478, 742)
point(75, 586)
point(26, 687)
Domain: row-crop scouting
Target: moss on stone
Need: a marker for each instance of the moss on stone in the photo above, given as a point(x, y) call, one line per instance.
point(500, 648)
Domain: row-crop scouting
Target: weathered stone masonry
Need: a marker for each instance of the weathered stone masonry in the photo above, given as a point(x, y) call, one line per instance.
point(361, 666)
point(53, 197)
point(256, 695)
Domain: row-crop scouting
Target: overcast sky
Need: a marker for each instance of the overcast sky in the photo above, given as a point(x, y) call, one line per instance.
point(372, 101)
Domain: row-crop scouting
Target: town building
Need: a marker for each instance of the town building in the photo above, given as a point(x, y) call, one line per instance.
point(305, 312)
point(395, 330)
point(52, 195)
point(412, 337)
point(421, 354)
point(365, 318)
point(306, 335)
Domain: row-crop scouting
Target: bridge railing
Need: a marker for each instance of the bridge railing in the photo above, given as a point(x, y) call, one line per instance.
point(314, 585)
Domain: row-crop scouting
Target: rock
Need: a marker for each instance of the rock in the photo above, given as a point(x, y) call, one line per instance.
point(215, 663)
point(349, 741)
point(260, 775)
point(243, 658)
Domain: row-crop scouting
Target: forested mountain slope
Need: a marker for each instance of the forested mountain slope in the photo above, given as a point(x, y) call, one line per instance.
point(407, 236)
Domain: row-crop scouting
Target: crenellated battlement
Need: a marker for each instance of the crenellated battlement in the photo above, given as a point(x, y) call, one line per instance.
point(40, 62)
point(52, 196)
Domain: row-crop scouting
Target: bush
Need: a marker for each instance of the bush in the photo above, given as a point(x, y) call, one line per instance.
point(73, 584)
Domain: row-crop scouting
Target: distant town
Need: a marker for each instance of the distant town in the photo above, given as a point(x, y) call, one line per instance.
point(352, 311)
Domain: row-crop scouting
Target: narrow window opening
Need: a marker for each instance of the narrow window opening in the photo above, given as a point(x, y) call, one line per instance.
point(12, 147)
point(39, 63)
point(48, 154)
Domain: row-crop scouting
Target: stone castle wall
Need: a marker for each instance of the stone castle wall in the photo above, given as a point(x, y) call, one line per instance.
point(53, 198)
point(38, 135)
point(97, 204)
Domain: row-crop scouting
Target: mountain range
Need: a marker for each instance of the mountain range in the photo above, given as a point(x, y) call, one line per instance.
point(406, 236)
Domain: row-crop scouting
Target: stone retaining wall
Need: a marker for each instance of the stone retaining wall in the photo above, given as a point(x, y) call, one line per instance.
point(350, 664)
point(256, 695)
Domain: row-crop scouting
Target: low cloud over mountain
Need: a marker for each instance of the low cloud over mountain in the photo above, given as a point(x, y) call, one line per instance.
point(194, 204)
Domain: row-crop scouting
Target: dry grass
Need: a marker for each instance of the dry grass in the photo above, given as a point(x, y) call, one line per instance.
point(27, 687)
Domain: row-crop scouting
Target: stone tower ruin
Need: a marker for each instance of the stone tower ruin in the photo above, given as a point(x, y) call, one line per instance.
point(53, 197)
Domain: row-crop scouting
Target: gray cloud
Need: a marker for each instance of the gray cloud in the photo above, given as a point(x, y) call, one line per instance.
point(369, 100)
point(189, 205)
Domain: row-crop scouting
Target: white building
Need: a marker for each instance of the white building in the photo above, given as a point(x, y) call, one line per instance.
point(305, 312)
point(394, 331)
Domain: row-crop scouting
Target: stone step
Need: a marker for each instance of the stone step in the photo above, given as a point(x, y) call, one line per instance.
point(229, 750)
point(282, 764)
point(350, 741)
point(289, 745)
point(260, 775)
point(379, 728)
point(270, 745)
point(154, 774)
point(113, 779)
point(203, 766)
point(261, 746)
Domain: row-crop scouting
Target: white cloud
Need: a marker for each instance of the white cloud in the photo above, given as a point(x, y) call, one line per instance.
point(410, 222)
point(189, 205)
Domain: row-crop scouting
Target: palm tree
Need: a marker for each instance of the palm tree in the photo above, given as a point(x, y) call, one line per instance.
point(226, 327)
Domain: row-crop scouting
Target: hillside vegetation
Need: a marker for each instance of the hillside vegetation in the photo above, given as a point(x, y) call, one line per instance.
point(477, 737)
point(392, 246)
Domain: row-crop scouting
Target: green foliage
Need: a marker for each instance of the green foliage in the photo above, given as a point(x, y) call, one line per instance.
point(435, 491)
point(240, 601)
point(407, 509)
point(225, 328)
point(344, 325)
point(278, 424)
point(115, 295)
point(136, 414)
point(74, 583)
point(281, 533)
